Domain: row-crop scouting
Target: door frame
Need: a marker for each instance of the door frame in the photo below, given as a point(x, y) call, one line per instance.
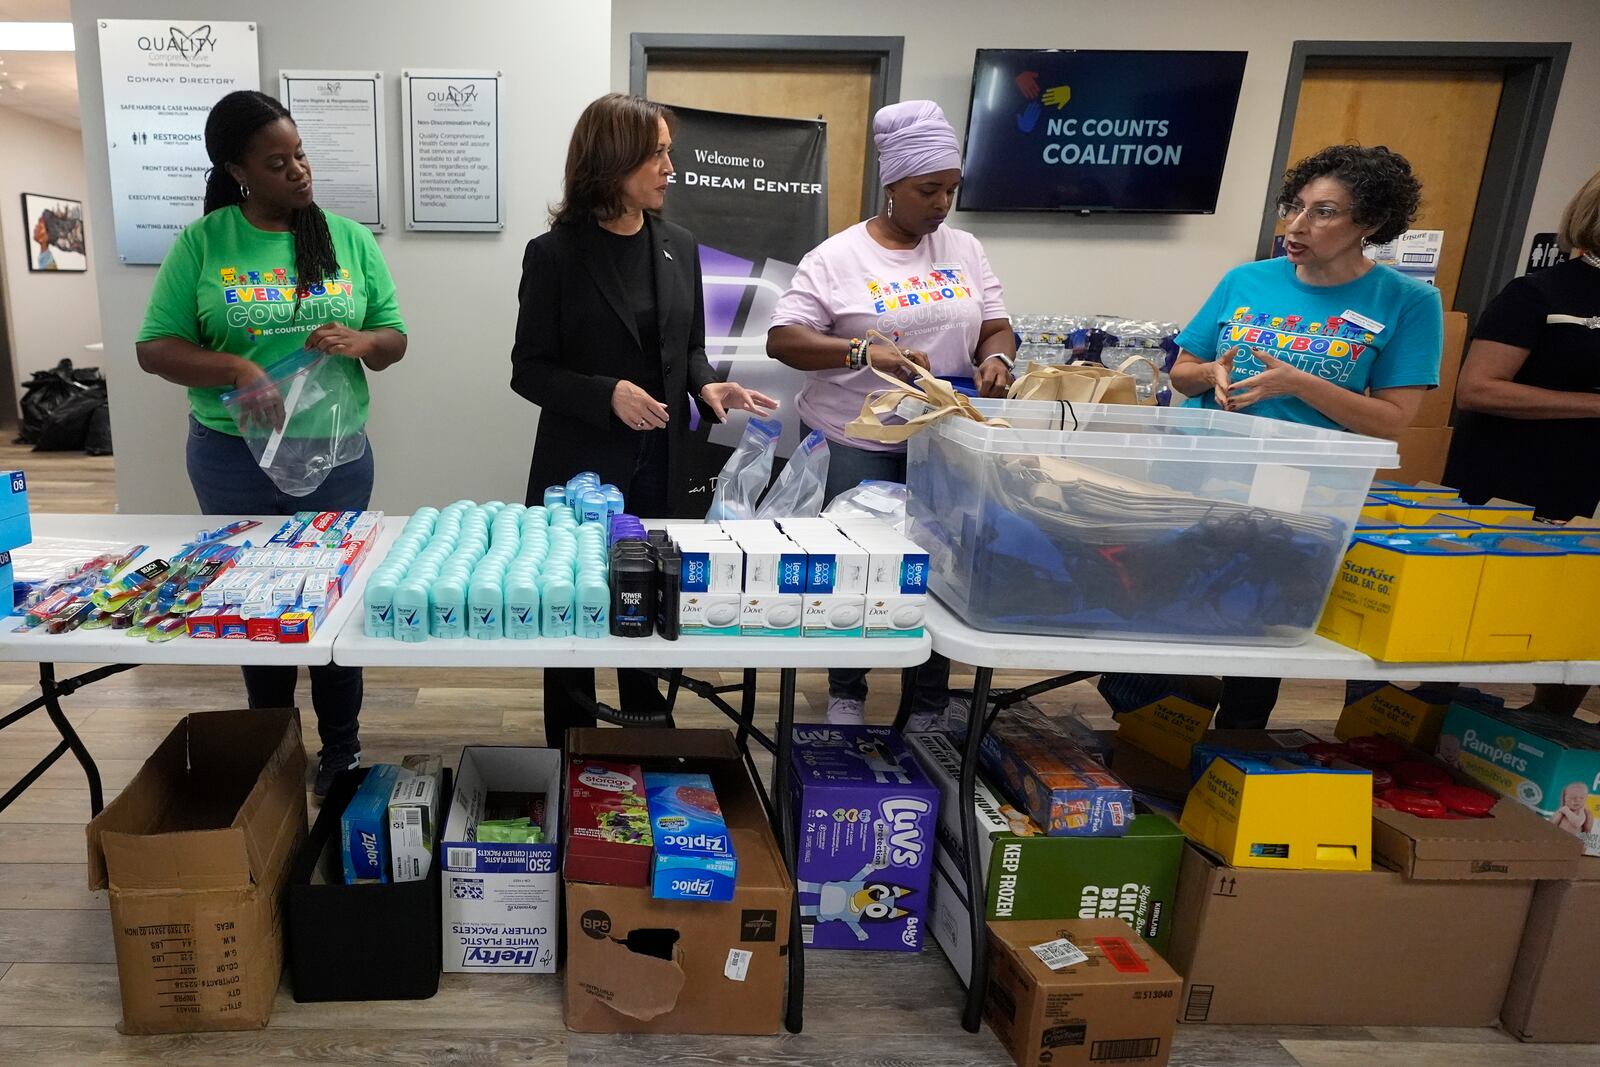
point(1533, 73)
point(884, 53)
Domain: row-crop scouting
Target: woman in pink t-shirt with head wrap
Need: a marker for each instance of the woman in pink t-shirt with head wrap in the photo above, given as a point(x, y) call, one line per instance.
point(915, 280)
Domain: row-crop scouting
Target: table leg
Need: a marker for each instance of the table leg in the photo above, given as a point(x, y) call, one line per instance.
point(747, 710)
point(783, 806)
point(978, 973)
point(908, 681)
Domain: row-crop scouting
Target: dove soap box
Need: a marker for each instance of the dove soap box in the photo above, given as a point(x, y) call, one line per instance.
point(694, 857)
point(833, 615)
point(769, 615)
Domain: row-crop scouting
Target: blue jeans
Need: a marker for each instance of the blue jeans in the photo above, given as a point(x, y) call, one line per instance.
point(847, 468)
point(227, 481)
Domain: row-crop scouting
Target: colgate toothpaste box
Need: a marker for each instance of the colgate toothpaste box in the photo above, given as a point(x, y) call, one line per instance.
point(694, 855)
point(608, 824)
point(868, 820)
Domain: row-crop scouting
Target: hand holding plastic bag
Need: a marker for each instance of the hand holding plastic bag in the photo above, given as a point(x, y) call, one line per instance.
point(746, 474)
point(300, 420)
point(799, 490)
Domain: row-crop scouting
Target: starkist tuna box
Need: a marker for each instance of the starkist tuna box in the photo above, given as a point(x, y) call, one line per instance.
point(867, 824)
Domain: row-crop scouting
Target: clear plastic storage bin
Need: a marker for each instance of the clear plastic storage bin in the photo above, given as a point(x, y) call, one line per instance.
point(1180, 524)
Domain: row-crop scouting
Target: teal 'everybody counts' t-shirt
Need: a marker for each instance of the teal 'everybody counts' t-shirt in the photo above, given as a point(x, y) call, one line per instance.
point(230, 287)
point(1381, 331)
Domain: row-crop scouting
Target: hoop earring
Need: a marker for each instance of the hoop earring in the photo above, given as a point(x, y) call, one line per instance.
point(890, 212)
point(244, 191)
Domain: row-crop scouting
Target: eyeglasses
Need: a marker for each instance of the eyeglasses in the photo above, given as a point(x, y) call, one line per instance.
point(1321, 214)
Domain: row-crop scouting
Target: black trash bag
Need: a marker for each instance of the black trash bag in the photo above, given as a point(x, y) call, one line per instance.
point(97, 438)
point(45, 391)
point(66, 427)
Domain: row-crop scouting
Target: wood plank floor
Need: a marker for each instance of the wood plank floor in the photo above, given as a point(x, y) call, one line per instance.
point(58, 992)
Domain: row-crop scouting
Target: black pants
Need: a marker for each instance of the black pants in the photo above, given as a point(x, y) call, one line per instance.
point(1247, 703)
point(569, 691)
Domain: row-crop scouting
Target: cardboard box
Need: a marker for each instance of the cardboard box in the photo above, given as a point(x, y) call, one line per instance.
point(1412, 717)
point(1551, 764)
point(1168, 728)
point(868, 821)
point(1342, 948)
point(1553, 995)
point(364, 827)
point(1512, 844)
point(1438, 404)
point(359, 942)
point(1154, 778)
point(1515, 617)
point(1405, 597)
point(1106, 997)
point(1045, 773)
point(501, 902)
point(196, 852)
point(608, 835)
point(1031, 876)
point(1268, 813)
point(694, 858)
point(1423, 451)
point(638, 965)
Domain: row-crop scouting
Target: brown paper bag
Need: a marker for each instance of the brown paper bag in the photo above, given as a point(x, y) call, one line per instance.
point(1081, 382)
point(940, 397)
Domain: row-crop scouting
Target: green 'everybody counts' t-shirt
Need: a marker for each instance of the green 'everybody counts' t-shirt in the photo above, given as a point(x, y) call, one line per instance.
point(228, 286)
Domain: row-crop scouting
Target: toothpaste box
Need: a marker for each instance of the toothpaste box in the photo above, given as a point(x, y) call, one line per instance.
point(764, 615)
point(364, 827)
point(895, 614)
point(1047, 774)
point(608, 824)
point(709, 614)
point(833, 615)
point(694, 858)
point(868, 820)
point(414, 818)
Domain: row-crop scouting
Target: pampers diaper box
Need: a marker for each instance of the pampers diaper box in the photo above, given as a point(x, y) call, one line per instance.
point(868, 820)
point(1550, 764)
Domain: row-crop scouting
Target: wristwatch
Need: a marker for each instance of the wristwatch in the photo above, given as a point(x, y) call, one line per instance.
point(1001, 356)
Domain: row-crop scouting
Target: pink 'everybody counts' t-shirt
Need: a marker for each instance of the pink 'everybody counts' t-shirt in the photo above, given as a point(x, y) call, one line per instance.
point(934, 297)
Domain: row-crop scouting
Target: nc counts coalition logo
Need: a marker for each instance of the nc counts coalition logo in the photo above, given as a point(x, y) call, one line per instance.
point(1090, 139)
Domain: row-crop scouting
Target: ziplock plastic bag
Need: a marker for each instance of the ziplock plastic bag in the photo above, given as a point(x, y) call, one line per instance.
point(884, 501)
point(300, 422)
point(746, 474)
point(798, 493)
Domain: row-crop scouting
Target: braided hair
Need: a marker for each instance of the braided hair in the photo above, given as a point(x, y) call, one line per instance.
point(234, 120)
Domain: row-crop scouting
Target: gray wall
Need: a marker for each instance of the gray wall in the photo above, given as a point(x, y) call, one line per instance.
point(445, 423)
point(1159, 267)
point(52, 315)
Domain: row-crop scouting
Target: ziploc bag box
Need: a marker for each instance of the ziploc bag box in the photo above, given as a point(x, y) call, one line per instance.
point(364, 827)
point(1549, 763)
point(1269, 812)
point(867, 824)
point(1405, 597)
point(501, 902)
point(1050, 776)
point(694, 858)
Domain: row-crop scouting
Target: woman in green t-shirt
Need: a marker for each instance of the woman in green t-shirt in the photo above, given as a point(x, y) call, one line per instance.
point(264, 273)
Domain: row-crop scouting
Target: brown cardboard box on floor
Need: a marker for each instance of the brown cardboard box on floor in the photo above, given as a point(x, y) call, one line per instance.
point(196, 853)
point(1513, 844)
point(1554, 995)
point(1342, 948)
point(1423, 450)
point(1115, 1005)
point(646, 966)
point(1437, 404)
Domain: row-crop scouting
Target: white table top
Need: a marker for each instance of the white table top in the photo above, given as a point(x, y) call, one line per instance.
point(164, 533)
point(1317, 658)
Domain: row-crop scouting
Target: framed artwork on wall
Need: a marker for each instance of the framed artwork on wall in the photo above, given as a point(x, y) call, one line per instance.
point(54, 227)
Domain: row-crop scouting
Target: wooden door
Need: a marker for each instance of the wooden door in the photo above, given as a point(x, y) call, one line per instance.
point(1440, 120)
point(838, 93)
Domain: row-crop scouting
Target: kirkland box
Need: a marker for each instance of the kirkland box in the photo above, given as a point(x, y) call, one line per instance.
point(196, 852)
point(1047, 774)
point(501, 902)
point(1080, 992)
point(868, 819)
point(1553, 995)
point(1342, 948)
point(360, 942)
point(694, 857)
point(1549, 763)
point(640, 965)
point(1031, 876)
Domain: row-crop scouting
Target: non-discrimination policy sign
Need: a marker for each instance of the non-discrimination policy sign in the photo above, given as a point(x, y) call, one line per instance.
point(161, 78)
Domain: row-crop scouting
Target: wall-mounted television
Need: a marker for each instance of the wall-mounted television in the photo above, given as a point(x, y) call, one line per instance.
point(1089, 130)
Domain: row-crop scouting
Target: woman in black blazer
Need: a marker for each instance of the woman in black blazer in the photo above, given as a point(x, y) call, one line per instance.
point(611, 345)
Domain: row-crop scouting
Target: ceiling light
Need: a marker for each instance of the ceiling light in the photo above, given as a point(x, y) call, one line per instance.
point(35, 36)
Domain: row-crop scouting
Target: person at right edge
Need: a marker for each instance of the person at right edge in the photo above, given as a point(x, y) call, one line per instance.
point(1528, 398)
point(1333, 204)
point(870, 276)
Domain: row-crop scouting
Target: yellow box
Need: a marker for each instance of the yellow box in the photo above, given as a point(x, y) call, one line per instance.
point(1168, 728)
point(1420, 491)
point(1405, 598)
point(1577, 629)
point(1263, 813)
point(1416, 513)
point(1517, 617)
point(1393, 712)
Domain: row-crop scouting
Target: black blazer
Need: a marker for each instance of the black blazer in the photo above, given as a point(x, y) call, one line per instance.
point(572, 315)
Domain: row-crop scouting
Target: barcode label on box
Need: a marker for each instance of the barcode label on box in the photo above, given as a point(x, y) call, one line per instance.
point(738, 964)
point(1125, 1050)
point(1059, 954)
point(413, 817)
point(1198, 1010)
point(808, 933)
point(465, 858)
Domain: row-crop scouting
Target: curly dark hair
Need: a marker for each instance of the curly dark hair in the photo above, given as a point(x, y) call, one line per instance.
point(1383, 191)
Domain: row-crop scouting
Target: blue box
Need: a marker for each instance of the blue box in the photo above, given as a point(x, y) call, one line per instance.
point(16, 529)
point(694, 857)
point(8, 587)
point(364, 827)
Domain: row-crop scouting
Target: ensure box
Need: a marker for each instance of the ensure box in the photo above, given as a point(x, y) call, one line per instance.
point(867, 824)
point(1045, 773)
point(364, 827)
point(501, 902)
point(694, 858)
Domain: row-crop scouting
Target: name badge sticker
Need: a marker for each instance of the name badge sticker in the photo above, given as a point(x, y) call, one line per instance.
point(1371, 325)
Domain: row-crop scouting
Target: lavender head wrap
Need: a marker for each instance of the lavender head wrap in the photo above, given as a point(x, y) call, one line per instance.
point(914, 137)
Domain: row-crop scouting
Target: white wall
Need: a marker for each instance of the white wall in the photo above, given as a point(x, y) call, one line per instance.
point(445, 423)
point(1153, 266)
point(52, 314)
